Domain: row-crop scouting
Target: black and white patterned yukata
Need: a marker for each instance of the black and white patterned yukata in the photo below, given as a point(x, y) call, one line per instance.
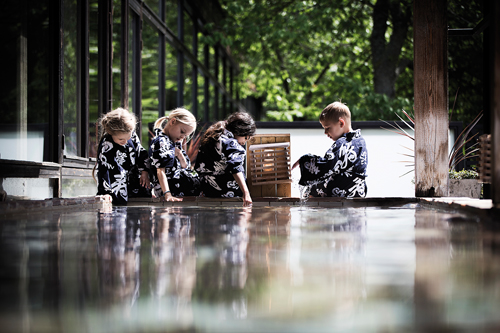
point(119, 169)
point(341, 172)
point(181, 182)
point(216, 165)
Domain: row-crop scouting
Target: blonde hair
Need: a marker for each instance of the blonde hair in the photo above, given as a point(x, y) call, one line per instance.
point(334, 111)
point(118, 121)
point(179, 114)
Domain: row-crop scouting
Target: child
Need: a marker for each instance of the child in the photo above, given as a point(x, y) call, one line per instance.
point(342, 172)
point(171, 172)
point(122, 163)
point(221, 158)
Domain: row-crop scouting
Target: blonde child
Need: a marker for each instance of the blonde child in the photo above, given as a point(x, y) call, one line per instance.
point(122, 163)
point(171, 173)
point(342, 171)
point(221, 158)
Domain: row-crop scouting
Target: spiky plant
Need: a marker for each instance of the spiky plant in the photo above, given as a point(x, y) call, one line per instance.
point(459, 152)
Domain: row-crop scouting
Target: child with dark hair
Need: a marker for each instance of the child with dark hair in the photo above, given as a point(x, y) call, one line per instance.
point(221, 158)
point(342, 171)
point(122, 163)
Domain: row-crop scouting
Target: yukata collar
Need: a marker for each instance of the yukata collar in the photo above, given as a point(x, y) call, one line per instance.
point(158, 131)
point(353, 135)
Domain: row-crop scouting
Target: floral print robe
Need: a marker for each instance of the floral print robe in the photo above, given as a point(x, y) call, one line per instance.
point(216, 165)
point(341, 172)
point(119, 169)
point(181, 182)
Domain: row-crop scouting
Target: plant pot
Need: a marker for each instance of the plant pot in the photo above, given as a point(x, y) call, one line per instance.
point(465, 188)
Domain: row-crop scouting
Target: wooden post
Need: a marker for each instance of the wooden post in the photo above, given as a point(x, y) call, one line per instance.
point(495, 102)
point(431, 98)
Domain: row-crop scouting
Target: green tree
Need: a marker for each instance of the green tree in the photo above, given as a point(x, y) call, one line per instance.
point(301, 55)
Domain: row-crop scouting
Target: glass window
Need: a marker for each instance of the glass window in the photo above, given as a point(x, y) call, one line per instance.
point(171, 15)
point(211, 63)
point(71, 84)
point(170, 77)
point(200, 97)
point(117, 48)
point(188, 31)
point(131, 18)
point(154, 5)
point(24, 88)
point(200, 55)
point(93, 84)
point(150, 90)
point(188, 85)
point(212, 107)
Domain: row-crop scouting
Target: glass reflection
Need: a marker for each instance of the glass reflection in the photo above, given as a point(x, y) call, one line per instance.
point(118, 253)
point(173, 259)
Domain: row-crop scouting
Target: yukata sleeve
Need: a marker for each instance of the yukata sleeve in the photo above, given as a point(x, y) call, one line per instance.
point(235, 155)
point(111, 177)
point(314, 168)
point(104, 167)
point(162, 152)
point(141, 153)
point(186, 157)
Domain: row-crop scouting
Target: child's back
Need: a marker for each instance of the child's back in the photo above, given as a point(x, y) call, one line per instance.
point(221, 158)
point(122, 163)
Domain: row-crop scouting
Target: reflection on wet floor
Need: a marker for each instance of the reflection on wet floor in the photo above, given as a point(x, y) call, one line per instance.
point(268, 269)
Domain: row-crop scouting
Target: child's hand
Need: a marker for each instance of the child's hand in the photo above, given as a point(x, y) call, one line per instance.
point(144, 180)
point(247, 199)
point(169, 197)
point(296, 164)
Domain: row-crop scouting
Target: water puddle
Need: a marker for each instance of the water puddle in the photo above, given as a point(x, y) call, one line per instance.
point(235, 269)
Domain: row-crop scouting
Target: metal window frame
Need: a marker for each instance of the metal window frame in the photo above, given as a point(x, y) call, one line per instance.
point(185, 54)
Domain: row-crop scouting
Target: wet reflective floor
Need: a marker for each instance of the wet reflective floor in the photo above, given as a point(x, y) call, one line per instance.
point(260, 269)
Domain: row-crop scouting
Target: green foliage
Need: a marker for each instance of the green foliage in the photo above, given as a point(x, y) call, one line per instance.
point(465, 65)
point(463, 174)
point(302, 55)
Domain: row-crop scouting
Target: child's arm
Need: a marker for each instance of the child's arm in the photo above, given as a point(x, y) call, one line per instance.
point(162, 178)
point(180, 156)
point(142, 161)
point(240, 179)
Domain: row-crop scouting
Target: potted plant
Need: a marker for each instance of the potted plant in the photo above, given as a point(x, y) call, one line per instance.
point(464, 184)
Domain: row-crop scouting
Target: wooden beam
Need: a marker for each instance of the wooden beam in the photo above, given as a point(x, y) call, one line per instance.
point(495, 102)
point(431, 98)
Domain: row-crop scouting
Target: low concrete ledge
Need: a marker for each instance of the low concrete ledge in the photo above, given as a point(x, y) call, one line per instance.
point(56, 204)
point(483, 208)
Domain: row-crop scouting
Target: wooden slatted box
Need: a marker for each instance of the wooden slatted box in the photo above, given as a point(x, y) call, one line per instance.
point(268, 165)
point(484, 168)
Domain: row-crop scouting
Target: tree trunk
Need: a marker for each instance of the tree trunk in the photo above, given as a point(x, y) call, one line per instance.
point(386, 55)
